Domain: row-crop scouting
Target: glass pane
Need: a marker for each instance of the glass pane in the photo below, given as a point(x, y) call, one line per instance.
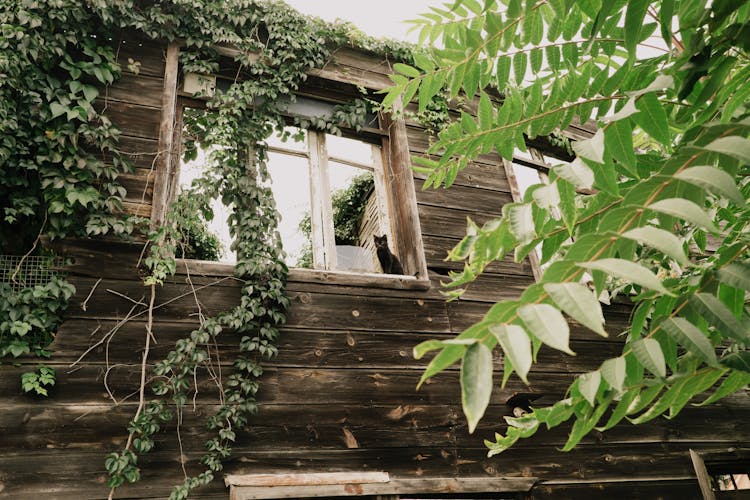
point(356, 217)
point(290, 183)
point(293, 138)
point(526, 177)
point(204, 240)
point(349, 149)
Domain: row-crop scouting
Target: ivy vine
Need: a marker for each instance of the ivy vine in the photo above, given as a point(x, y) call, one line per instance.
point(60, 163)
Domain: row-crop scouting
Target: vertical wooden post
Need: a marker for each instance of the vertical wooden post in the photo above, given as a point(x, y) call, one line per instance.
point(704, 480)
point(160, 201)
point(323, 234)
point(402, 196)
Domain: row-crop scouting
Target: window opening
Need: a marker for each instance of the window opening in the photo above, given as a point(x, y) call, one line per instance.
point(334, 195)
point(336, 207)
point(206, 234)
point(723, 474)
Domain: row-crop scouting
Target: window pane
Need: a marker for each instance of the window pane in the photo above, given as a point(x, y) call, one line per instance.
point(355, 217)
point(349, 149)
point(295, 140)
point(204, 240)
point(290, 183)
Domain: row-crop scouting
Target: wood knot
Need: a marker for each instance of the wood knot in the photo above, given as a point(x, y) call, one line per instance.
point(420, 302)
point(355, 313)
point(350, 340)
point(305, 298)
point(318, 353)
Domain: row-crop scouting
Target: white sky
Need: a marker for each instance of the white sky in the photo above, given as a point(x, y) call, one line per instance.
point(382, 18)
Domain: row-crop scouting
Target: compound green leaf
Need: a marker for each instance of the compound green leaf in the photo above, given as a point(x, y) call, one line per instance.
point(578, 302)
point(713, 179)
point(648, 351)
point(627, 271)
point(691, 338)
point(666, 242)
point(547, 324)
point(476, 383)
point(517, 347)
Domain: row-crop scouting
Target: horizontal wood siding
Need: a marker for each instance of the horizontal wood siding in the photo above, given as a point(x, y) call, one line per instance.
point(341, 396)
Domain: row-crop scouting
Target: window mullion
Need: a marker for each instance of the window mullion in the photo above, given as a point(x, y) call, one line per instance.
point(324, 241)
point(380, 192)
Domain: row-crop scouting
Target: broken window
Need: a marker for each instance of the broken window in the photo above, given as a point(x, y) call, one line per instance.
point(332, 199)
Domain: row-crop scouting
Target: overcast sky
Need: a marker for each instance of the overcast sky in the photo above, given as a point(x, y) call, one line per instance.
point(381, 18)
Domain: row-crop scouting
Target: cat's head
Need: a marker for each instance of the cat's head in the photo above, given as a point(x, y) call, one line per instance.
point(380, 241)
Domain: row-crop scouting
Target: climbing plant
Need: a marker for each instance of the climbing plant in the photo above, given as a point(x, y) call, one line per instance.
point(60, 162)
point(617, 220)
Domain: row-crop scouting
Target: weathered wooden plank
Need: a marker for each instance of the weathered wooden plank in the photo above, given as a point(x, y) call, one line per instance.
point(666, 489)
point(137, 208)
point(458, 197)
point(403, 205)
point(436, 248)
point(704, 480)
point(139, 188)
point(140, 89)
point(43, 425)
point(57, 472)
point(463, 314)
point(478, 175)
point(133, 120)
point(141, 152)
point(165, 167)
point(446, 222)
point(387, 489)
point(298, 348)
point(279, 386)
point(631, 463)
point(149, 53)
point(306, 479)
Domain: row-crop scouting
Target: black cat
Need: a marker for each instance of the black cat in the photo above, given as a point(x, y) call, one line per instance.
point(388, 261)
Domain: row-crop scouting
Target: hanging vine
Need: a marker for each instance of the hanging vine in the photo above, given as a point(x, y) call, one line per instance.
point(60, 163)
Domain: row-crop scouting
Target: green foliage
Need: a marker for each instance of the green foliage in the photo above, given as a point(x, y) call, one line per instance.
point(195, 240)
point(30, 316)
point(53, 137)
point(616, 219)
point(38, 381)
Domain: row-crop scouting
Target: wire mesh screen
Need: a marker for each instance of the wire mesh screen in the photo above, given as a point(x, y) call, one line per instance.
point(33, 270)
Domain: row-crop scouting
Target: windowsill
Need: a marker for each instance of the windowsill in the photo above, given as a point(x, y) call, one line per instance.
point(320, 276)
point(349, 278)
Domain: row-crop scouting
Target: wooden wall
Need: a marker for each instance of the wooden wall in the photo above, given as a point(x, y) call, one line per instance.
point(341, 395)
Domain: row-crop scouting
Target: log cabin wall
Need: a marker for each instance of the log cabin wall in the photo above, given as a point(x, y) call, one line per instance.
point(341, 395)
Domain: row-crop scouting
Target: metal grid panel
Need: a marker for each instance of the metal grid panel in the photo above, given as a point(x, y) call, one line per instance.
point(34, 270)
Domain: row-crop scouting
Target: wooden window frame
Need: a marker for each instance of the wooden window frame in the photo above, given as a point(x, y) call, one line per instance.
point(538, 163)
point(323, 230)
point(397, 181)
point(718, 459)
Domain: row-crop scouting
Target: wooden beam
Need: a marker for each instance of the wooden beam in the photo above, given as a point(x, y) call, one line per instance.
point(402, 200)
point(309, 479)
point(393, 487)
point(704, 480)
point(166, 137)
